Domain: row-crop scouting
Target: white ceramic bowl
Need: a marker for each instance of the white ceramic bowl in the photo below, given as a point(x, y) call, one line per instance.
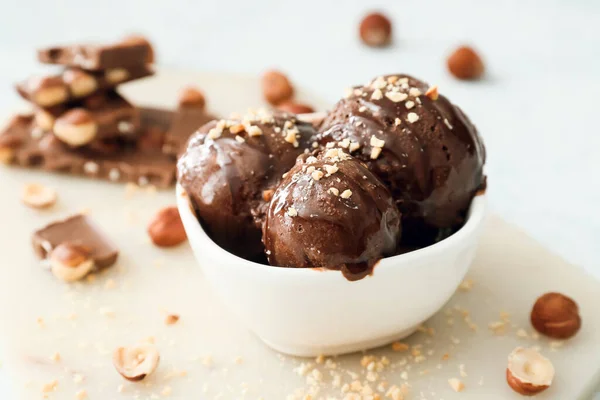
point(307, 312)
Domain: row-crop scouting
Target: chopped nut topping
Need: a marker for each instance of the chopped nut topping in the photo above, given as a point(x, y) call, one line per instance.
point(414, 92)
point(375, 152)
point(396, 97)
point(412, 117)
point(317, 175)
point(291, 138)
point(378, 83)
point(315, 145)
point(432, 92)
point(235, 129)
point(344, 143)
point(214, 133)
point(409, 104)
point(310, 169)
point(398, 122)
point(447, 123)
point(311, 160)
point(336, 155)
point(346, 194)
point(354, 146)
point(292, 212)
point(331, 169)
point(392, 79)
point(375, 142)
point(334, 191)
point(348, 92)
point(377, 95)
point(456, 384)
point(362, 109)
point(240, 139)
point(254, 131)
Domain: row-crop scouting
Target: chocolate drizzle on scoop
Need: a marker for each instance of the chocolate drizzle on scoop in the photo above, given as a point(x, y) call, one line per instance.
point(423, 148)
point(331, 212)
point(227, 167)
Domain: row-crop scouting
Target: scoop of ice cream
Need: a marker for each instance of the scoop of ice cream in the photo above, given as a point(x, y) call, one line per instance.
point(230, 168)
point(424, 149)
point(330, 211)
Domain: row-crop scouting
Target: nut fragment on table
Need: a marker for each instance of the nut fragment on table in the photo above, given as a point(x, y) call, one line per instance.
point(136, 362)
point(375, 30)
point(556, 315)
point(276, 87)
point(35, 195)
point(166, 228)
point(71, 262)
point(76, 127)
point(528, 372)
point(80, 82)
point(192, 97)
point(464, 63)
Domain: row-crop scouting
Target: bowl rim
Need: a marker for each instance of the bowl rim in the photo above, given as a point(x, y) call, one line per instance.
point(475, 217)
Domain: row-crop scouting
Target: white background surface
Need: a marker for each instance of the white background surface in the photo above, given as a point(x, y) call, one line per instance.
point(537, 108)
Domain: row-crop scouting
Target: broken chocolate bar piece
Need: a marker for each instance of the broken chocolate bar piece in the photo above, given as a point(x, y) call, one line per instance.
point(123, 54)
point(108, 114)
point(79, 230)
point(116, 160)
point(75, 83)
point(186, 121)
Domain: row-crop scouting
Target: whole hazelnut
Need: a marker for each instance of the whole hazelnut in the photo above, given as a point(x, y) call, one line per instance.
point(139, 39)
point(76, 127)
point(38, 196)
point(48, 91)
point(136, 362)
point(556, 315)
point(116, 75)
point(166, 228)
point(528, 372)
point(71, 262)
point(81, 83)
point(464, 63)
point(295, 108)
point(44, 119)
point(276, 87)
point(191, 97)
point(376, 30)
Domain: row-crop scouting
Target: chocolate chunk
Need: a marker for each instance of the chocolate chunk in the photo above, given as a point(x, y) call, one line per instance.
point(112, 115)
point(116, 160)
point(75, 83)
point(98, 57)
point(186, 121)
point(79, 230)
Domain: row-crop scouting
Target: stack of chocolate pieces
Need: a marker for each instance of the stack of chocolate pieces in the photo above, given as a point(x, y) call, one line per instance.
point(82, 125)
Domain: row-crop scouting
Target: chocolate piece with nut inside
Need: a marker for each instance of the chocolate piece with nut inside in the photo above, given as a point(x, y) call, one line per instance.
point(49, 91)
point(331, 212)
point(230, 166)
point(98, 117)
point(141, 162)
point(423, 148)
point(78, 230)
point(122, 54)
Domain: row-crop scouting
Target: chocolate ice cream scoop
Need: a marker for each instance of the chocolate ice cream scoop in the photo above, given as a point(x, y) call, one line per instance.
point(425, 150)
point(330, 211)
point(230, 168)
